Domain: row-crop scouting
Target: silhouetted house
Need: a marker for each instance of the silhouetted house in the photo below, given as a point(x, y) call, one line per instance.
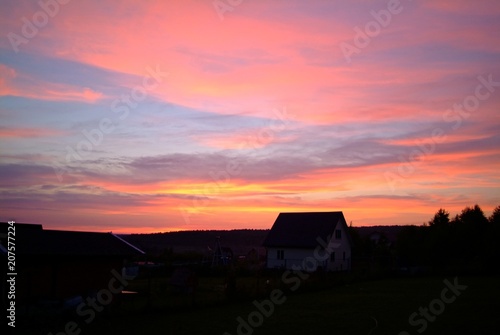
point(309, 241)
point(57, 265)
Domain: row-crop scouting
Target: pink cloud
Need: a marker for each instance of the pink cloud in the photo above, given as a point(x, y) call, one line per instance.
point(22, 85)
point(7, 74)
point(267, 55)
point(248, 139)
point(247, 63)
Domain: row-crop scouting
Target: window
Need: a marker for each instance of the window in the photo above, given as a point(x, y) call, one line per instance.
point(338, 234)
point(281, 254)
point(332, 257)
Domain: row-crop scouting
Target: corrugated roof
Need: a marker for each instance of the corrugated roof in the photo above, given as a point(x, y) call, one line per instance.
point(302, 229)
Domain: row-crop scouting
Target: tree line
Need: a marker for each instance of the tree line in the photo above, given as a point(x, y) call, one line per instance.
point(465, 243)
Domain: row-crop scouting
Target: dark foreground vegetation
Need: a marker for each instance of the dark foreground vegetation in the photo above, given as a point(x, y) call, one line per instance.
point(438, 278)
point(368, 307)
point(465, 244)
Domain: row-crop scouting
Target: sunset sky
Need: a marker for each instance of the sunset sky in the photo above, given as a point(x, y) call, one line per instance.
point(147, 116)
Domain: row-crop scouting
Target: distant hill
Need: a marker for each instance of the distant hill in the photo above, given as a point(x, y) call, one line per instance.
point(240, 241)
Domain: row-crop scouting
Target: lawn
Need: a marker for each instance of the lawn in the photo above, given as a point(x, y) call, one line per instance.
point(368, 308)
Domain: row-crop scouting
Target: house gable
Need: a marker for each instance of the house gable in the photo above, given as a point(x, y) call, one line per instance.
point(302, 229)
point(340, 243)
point(296, 236)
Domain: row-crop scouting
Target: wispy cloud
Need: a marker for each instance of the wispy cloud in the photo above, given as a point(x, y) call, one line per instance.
point(345, 124)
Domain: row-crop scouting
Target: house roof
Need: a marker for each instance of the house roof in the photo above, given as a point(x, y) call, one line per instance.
point(34, 240)
point(302, 229)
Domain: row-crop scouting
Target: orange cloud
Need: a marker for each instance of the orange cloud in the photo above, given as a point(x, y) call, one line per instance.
point(30, 132)
point(265, 55)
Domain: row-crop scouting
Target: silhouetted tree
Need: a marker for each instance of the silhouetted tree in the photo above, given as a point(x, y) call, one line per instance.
point(409, 246)
point(469, 233)
point(491, 247)
point(466, 243)
point(438, 243)
point(441, 218)
point(473, 217)
point(495, 216)
point(357, 242)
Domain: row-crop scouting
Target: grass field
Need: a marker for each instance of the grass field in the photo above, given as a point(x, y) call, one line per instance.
point(368, 308)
